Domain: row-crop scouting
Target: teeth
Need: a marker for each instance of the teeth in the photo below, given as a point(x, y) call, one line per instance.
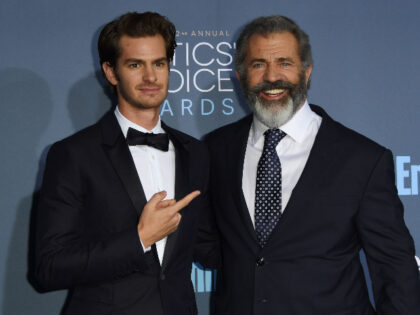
point(273, 92)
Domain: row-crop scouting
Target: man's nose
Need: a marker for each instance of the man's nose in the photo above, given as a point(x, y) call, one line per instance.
point(149, 74)
point(271, 73)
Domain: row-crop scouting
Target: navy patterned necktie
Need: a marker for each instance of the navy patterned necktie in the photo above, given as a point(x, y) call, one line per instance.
point(268, 188)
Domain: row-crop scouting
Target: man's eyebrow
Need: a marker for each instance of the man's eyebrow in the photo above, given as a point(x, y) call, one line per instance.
point(257, 60)
point(133, 60)
point(161, 59)
point(281, 59)
point(136, 60)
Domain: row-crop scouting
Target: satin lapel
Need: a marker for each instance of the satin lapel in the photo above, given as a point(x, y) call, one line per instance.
point(236, 151)
point(118, 152)
point(181, 183)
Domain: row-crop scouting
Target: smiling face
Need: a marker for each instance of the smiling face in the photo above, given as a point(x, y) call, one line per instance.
point(274, 81)
point(141, 73)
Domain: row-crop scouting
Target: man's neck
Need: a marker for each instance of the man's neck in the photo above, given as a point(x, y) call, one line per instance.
point(146, 118)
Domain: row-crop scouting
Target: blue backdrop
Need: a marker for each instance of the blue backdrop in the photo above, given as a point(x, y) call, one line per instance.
point(365, 75)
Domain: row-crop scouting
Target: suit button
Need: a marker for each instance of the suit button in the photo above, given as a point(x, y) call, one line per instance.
point(162, 276)
point(260, 261)
point(263, 300)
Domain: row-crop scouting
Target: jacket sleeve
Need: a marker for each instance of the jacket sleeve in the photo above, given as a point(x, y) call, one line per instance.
point(387, 242)
point(65, 255)
point(207, 246)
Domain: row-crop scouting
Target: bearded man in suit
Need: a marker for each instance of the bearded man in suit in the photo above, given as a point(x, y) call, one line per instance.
point(105, 230)
point(297, 195)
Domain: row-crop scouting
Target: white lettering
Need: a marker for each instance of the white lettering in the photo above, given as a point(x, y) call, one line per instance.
point(194, 54)
point(218, 49)
point(195, 81)
point(182, 81)
point(175, 54)
point(220, 79)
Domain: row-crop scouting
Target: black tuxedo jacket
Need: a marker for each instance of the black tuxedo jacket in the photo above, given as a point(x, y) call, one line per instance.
point(87, 240)
point(345, 200)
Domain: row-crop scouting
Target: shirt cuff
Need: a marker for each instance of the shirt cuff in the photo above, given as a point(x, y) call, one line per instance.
point(145, 250)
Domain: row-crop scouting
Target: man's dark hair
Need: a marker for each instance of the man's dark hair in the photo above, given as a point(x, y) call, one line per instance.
point(134, 24)
point(267, 25)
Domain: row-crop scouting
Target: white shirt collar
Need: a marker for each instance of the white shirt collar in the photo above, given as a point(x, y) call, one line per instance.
point(125, 124)
point(296, 128)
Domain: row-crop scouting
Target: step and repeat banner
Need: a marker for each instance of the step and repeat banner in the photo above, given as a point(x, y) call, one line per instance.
point(366, 75)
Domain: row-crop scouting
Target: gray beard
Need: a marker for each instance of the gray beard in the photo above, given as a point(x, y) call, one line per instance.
point(273, 115)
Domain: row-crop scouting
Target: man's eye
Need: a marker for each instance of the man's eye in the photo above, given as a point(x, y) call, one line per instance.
point(257, 65)
point(160, 64)
point(285, 64)
point(133, 65)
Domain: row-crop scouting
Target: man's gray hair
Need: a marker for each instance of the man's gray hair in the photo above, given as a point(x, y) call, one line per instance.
point(272, 24)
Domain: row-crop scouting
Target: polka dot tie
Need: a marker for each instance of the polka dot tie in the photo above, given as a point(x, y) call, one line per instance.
point(268, 188)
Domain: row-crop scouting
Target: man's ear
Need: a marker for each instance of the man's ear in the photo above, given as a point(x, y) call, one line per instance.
point(308, 74)
point(109, 72)
point(238, 75)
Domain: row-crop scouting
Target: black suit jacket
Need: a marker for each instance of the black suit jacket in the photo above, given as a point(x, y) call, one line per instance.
point(345, 200)
point(87, 240)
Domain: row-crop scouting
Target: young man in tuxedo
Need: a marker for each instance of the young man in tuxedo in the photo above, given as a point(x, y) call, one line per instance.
point(109, 227)
point(297, 195)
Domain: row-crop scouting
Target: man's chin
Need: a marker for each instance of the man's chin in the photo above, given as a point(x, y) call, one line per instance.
point(273, 106)
point(273, 115)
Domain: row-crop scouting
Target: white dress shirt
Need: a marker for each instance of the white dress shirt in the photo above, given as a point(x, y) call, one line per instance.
point(156, 168)
point(293, 151)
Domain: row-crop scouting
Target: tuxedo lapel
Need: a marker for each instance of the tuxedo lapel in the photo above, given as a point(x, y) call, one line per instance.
point(236, 152)
point(118, 152)
point(181, 182)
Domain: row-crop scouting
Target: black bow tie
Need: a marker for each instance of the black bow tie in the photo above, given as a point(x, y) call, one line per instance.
point(157, 140)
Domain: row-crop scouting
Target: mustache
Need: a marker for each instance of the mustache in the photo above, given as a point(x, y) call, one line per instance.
point(149, 86)
point(279, 84)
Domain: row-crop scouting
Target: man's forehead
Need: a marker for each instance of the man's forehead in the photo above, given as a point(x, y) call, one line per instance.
point(146, 46)
point(272, 43)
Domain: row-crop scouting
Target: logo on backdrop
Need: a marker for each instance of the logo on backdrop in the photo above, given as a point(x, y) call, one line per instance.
point(407, 174)
point(201, 72)
point(204, 280)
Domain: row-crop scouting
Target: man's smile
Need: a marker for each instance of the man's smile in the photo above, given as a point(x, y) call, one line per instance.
point(273, 94)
